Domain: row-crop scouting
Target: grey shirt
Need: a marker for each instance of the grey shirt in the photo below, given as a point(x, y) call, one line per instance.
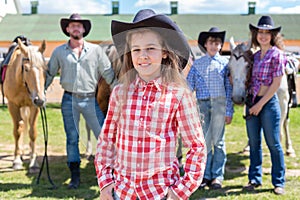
point(80, 74)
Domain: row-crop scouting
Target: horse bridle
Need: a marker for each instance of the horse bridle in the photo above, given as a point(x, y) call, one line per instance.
point(247, 58)
point(238, 57)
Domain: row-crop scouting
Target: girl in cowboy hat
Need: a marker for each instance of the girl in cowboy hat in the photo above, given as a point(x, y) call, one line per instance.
point(208, 77)
point(136, 150)
point(268, 69)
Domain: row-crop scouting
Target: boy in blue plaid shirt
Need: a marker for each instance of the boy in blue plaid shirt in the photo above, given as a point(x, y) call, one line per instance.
point(208, 77)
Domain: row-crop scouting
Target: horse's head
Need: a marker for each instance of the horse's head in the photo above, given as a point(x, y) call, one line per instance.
point(33, 71)
point(239, 64)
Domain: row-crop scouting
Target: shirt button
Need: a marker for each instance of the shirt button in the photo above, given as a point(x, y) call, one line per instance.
point(141, 119)
point(144, 97)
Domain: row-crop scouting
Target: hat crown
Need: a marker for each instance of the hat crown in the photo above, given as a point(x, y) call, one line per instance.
point(214, 30)
point(265, 21)
point(75, 16)
point(143, 14)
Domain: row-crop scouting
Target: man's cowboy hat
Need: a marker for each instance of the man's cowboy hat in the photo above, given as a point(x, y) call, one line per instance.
point(75, 17)
point(212, 32)
point(265, 23)
point(162, 24)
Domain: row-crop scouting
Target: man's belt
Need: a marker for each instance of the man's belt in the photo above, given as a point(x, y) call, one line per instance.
point(81, 95)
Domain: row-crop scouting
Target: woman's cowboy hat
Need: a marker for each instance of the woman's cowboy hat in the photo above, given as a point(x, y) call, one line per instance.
point(265, 23)
point(162, 24)
point(75, 17)
point(212, 32)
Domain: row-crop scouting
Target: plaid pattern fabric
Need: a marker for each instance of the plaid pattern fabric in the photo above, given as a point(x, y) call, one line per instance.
point(272, 65)
point(208, 77)
point(138, 141)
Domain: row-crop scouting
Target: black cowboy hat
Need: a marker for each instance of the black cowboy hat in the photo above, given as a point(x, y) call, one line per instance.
point(75, 17)
point(212, 32)
point(265, 23)
point(160, 23)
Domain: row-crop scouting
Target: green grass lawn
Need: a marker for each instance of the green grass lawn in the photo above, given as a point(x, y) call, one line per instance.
point(21, 185)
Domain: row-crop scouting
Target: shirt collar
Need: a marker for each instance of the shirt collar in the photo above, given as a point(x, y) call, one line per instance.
point(140, 83)
point(86, 46)
point(214, 57)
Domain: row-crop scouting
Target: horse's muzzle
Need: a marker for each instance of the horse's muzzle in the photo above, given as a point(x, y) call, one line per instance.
point(38, 102)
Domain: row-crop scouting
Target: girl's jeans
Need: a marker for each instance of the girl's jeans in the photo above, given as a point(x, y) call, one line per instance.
point(268, 123)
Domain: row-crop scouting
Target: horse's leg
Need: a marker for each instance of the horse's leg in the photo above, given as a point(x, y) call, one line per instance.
point(33, 165)
point(283, 96)
point(288, 142)
point(18, 127)
point(89, 145)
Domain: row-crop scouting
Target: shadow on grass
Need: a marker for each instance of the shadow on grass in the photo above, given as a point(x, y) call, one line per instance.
point(60, 175)
point(233, 190)
point(235, 166)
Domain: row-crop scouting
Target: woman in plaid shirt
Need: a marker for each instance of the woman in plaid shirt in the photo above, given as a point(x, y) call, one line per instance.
point(136, 150)
point(268, 69)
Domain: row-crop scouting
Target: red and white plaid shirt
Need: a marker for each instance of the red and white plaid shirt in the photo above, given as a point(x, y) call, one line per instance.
point(137, 146)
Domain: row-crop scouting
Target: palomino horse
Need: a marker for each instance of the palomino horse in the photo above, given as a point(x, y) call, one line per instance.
point(239, 66)
point(24, 90)
point(103, 91)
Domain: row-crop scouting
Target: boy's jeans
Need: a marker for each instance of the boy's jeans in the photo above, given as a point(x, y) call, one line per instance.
point(71, 109)
point(213, 111)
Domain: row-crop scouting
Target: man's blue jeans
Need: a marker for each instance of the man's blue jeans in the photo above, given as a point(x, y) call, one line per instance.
point(213, 111)
point(268, 122)
point(71, 109)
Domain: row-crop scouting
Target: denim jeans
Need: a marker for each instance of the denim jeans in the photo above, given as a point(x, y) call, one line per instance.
point(213, 111)
point(268, 123)
point(71, 109)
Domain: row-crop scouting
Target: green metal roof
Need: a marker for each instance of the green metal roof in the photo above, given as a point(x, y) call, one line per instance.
point(41, 26)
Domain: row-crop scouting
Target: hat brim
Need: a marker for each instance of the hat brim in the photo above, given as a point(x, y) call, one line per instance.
point(64, 22)
point(204, 35)
point(255, 28)
point(159, 23)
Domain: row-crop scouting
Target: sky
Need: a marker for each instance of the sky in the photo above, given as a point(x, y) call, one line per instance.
point(161, 6)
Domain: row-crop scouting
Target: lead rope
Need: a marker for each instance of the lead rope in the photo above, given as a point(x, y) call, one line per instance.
point(45, 130)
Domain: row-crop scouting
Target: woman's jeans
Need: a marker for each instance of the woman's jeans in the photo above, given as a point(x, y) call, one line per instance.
point(71, 109)
point(213, 111)
point(268, 122)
